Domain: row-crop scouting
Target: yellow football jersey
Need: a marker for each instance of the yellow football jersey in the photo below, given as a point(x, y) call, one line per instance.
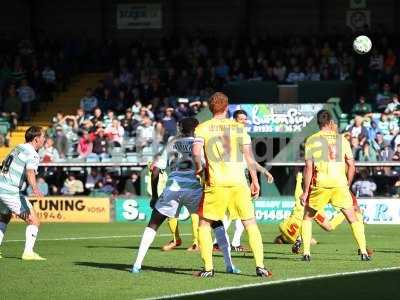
point(328, 150)
point(222, 141)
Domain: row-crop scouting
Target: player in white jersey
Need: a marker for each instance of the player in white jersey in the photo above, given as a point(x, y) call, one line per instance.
point(183, 188)
point(20, 165)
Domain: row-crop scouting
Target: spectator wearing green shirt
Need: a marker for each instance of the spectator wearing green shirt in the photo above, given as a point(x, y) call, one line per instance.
point(361, 108)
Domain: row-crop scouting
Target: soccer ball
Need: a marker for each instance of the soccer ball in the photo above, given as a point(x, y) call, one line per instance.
point(362, 44)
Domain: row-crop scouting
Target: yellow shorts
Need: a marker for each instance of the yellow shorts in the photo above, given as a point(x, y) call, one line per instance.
point(291, 226)
point(217, 200)
point(339, 197)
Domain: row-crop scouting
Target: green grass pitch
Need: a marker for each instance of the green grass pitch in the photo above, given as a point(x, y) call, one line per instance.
point(98, 268)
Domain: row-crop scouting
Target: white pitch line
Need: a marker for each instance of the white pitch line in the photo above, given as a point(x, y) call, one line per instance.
point(230, 288)
point(93, 237)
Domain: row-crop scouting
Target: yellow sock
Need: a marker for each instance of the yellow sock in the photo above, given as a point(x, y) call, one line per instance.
point(195, 228)
point(337, 220)
point(256, 244)
point(206, 246)
point(359, 235)
point(306, 233)
point(173, 226)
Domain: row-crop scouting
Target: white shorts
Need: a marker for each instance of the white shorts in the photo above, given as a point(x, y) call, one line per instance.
point(14, 202)
point(170, 202)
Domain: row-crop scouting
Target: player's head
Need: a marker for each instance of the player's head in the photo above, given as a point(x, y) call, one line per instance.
point(218, 103)
point(35, 136)
point(188, 125)
point(240, 116)
point(324, 119)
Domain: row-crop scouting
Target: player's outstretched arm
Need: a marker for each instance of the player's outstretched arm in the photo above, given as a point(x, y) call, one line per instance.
point(251, 165)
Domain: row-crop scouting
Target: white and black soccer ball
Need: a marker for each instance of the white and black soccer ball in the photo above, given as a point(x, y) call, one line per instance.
point(362, 44)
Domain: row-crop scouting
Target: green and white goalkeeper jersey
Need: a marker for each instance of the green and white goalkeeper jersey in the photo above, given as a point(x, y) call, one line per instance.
point(13, 168)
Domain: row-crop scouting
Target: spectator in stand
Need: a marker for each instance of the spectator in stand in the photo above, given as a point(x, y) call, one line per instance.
point(388, 126)
point(372, 131)
point(100, 143)
point(358, 130)
point(386, 154)
point(280, 71)
point(355, 147)
point(362, 107)
point(390, 59)
point(108, 119)
point(72, 186)
point(92, 179)
point(296, 75)
point(61, 141)
point(89, 102)
point(396, 154)
point(313, 74)
point(364, 186)
point(145, 134)
point(49, 80)
point(132, 185)
point(107, 185)
point(115, 133)
point(85, 146)
point(368, 153)
point(129, 123)
point(97, 116)
point(384, 97)
point(12, 106)
point(42, 185)
point(27, 96)
point(80, 117)
point(169, 123)
point(393, 106)
point(378, 144)
point(49, 153)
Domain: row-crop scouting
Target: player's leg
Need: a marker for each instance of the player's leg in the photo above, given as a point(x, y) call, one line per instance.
point(20, 205)
point(243, 205)
point(317, 200)
point(306, 231)
point(222, 239)
point(4, 220)
point(236, 244)
point(148, 236)
point(324, 223)
point(212, 208)
point(195, 232)
point(342, 199)
point(226, 221)
point(176, 239)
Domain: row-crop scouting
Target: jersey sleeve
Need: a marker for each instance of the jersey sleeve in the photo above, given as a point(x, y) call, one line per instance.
point(348, 153)
point(199, 135)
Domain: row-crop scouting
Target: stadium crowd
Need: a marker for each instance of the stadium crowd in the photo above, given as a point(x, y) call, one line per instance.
point(134, 110)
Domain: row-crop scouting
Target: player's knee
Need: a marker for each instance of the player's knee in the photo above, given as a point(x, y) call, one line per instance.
point(249, 222)
point(5, 218)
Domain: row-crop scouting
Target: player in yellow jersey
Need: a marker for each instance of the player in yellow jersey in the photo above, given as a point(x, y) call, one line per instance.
point(225, 144)
point(328, 173)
